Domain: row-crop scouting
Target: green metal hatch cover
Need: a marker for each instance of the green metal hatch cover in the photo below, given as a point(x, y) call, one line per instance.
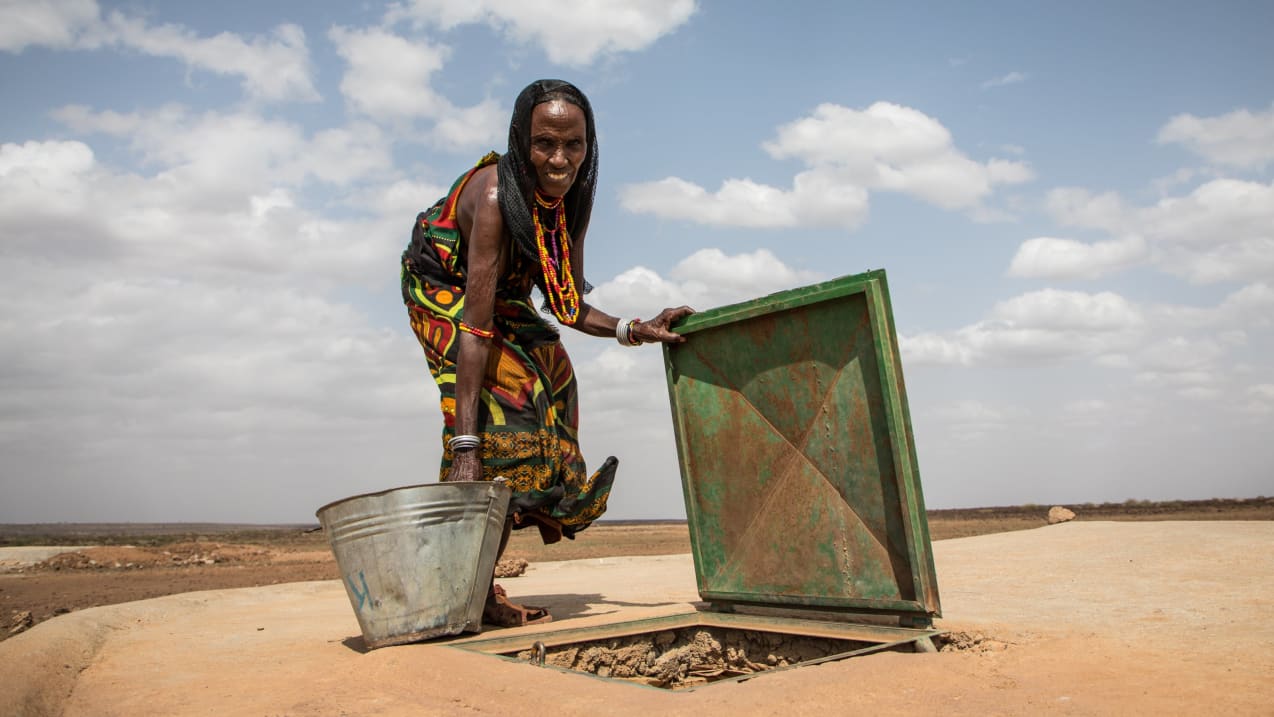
point(797, 458)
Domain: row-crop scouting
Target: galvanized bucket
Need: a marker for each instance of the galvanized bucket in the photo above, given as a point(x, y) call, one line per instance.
point(417, 561)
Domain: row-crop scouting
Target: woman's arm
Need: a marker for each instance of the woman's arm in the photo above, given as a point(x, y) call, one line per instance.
point(485, 259)
point(596, 322)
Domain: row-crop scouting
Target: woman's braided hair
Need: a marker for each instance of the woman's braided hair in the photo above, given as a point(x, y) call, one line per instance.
point(517, 176)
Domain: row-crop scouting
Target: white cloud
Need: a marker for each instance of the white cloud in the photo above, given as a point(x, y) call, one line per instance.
point(1179, 380)
point(1040, 326)
point(1233, 208)
point(973, 420)
point(1228, 262)
point(1199, 393)
point(220, 202)
point(759, 271)
point(1087, 413)
point(639, 291)
point(932, 349)
point(1259, 399)
point(1011, 78)
point(1000, 171)
point(277, 67)
point(1182, 352)
point(1168, 183)
point(1085, 407)
point(745, 203)
point(1252, 305)
point(56, 23)
point(389, 75)
point(344, 155)
point(1075, 206)
point(847, 152)
point(623, 403)
point(1054, 258)
point(971, 411)
point(1190, 350)
point(1069, 310)
point(1179, 355)
point(388, 79)
point(402, 199)
point(1249, 307)
point(43, 176)
point(218, 155)
point(228, 345)
point(236, 395)
point(1241, 139)
point(706, 279)
point(894, 148)
point(1264, 391)
point(1221, 231)
point(481, 126)
point(618, 383)
point(189, 315)
point(571, 32)
point(274, 68)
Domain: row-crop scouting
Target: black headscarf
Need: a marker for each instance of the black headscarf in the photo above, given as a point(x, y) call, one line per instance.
point(517, 175)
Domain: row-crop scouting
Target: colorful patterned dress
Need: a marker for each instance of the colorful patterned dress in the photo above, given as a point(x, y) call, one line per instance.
point(527, 413)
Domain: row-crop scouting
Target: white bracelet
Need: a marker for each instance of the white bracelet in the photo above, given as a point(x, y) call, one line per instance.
point(624, 332)
point(463, 442)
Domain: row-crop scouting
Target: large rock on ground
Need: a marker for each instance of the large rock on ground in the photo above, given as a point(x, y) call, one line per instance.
point(510, 567)
point(1058, 514)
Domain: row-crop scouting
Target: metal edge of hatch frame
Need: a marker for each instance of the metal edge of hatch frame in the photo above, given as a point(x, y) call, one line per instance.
point(872, 285)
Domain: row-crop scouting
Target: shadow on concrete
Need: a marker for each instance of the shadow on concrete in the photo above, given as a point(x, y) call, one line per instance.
point(567, 606)
point(356, 644)
point(562, 606)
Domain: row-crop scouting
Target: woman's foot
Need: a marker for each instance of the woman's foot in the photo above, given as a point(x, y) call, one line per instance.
point(501, 612)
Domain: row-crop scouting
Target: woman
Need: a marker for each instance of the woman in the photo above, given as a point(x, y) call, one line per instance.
point(508, 390)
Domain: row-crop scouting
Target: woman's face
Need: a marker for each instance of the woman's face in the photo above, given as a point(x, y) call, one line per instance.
point(559, 143)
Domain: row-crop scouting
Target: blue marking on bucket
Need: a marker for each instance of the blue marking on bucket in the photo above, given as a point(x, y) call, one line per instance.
point(362, 596)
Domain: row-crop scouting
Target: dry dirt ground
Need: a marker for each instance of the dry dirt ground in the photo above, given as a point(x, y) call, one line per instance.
point(138, 562)
point(1082, 618)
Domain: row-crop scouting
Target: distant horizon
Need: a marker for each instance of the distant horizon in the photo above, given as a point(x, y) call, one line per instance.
point(191, 526)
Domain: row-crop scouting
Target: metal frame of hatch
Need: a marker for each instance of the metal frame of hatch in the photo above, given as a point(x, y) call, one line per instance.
point(910, 515)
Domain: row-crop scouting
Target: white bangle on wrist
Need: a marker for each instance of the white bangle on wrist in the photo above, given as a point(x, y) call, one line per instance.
point(624, 332)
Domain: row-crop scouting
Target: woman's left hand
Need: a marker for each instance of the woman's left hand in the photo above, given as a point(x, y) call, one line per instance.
point(656, 330)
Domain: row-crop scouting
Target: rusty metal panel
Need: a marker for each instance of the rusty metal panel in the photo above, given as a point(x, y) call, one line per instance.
point(798, 463)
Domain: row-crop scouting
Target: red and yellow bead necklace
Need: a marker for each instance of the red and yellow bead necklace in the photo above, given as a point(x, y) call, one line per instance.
point(555, 260)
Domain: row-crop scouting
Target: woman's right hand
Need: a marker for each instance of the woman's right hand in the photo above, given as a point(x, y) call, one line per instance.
point(656, 329)
point(465, 466)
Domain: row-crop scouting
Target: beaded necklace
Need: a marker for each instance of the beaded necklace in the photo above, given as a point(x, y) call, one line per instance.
point(555, 259)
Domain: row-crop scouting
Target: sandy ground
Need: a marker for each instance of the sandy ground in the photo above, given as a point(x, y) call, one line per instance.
point(1079, 618)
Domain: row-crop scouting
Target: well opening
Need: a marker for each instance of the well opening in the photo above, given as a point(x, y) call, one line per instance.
point(690, 652)
point(690, 656)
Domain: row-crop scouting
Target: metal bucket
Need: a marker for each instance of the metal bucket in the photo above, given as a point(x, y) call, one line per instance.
point(417, 561)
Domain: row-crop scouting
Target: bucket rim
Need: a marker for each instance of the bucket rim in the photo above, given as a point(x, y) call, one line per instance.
point(485, 484)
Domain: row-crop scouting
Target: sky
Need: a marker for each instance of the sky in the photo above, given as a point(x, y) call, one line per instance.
point(203, 205)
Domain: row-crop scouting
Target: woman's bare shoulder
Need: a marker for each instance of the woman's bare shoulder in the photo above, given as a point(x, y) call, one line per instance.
point(480, 197)
point(482, 187)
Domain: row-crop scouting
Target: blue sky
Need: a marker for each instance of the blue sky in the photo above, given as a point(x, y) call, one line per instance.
point(202, 208)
